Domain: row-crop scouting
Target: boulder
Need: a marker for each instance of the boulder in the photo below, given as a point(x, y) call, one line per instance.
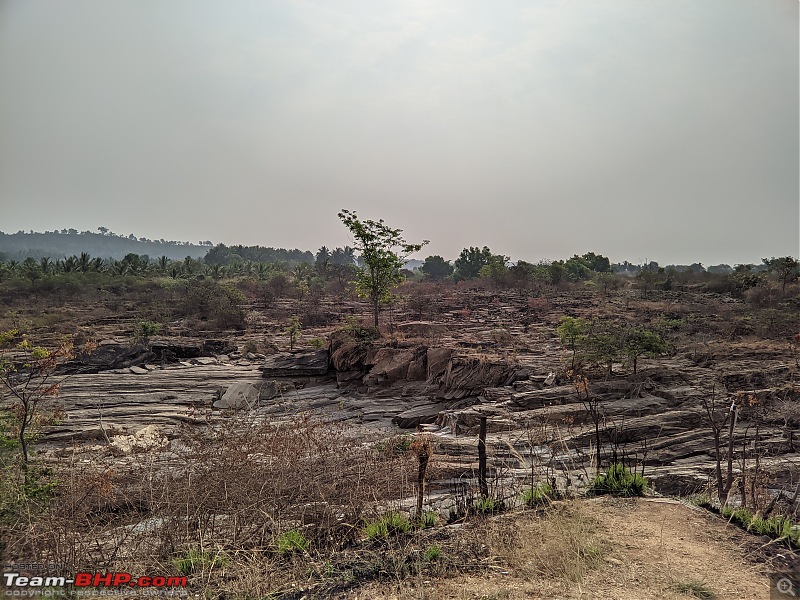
point(469, 376)
point(347, 354)
point(437, 361)
point(272, 389)
point(390, 365)
point(216, 347)
point(238, 396)
point(108, 356)
point(148, 438)
point(174, 352)
point(299, 364)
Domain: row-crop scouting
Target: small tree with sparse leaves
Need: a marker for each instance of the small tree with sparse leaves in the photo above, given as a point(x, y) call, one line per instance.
point(384, 252)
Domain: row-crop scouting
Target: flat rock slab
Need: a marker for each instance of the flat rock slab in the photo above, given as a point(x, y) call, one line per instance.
point(297, 364)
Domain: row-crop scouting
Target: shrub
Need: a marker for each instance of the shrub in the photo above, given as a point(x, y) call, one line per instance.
point(197, 559)
point(389, 524)
point(618, 480)
point(540, 495)
point(292, 541)
point(432, 553)
point(250, 346)
point(145, 330)
point(318, 343)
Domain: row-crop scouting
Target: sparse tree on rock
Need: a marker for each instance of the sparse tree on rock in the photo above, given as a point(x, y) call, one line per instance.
point(384, 252)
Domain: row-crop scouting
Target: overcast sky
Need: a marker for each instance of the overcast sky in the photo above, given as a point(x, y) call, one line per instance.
point(658, 130)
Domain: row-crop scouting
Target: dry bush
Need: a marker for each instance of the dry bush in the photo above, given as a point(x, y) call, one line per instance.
point(230, 489)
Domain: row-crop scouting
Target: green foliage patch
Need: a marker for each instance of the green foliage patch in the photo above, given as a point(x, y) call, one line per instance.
point(618, 480)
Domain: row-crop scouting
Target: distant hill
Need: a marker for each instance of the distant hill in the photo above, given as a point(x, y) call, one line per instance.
point(68, 242)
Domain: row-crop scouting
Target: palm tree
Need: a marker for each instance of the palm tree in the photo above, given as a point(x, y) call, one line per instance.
point(163, 264)
point(217, 271)
point(46, 265)
point(70, 264)
point(83, 262)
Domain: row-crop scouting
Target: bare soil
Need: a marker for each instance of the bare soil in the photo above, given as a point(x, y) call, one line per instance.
point(650, 549)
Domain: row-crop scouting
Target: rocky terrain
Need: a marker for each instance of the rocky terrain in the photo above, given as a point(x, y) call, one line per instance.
point(500, 359)
point(198, 439)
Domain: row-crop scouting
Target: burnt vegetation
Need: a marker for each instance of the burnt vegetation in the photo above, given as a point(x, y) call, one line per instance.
point(533, 384)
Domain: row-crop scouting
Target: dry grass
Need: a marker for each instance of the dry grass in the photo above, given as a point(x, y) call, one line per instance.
point(560, 545)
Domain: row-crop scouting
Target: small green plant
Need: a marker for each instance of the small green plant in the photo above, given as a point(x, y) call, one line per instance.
point(197, 559)
point(618, 480)
point(777, 527)
point(428, 519)
point(145, 330)
point(488, 506)
point(292, 541)
point(293, 330)
point(432, 553)
point(318, 343)
point(389, 524)
point(698, 589)
point(540, 495)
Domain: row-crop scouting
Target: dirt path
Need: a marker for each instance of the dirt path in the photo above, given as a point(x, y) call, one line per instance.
point(607, 549)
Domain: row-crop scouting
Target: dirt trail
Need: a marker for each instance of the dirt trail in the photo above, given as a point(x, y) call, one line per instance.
point(652, 549)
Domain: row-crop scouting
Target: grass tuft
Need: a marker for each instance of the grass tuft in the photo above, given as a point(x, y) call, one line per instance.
point(698, 589)
point(292, 541)
point(618, 480)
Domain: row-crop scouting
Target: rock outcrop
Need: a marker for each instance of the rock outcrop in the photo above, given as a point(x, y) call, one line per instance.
point(310, 363)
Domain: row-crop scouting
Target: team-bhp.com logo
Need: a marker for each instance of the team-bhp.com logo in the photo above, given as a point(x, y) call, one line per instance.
point(15, 581)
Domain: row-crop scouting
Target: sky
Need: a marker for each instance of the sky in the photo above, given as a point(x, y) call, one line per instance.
point(662, 130)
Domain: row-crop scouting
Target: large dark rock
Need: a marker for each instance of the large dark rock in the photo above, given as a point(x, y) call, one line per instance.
point(298, 364)
point(469, 376)
point(390, 365)
point(347, 354)
point(167, 352)
point(108, 356)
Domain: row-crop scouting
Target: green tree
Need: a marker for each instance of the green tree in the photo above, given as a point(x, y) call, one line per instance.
point(436, 268)
point(496, 269)
point(469, 263)
point(384, 252)
point(786, 268)
point(638, 341)
point(578, 268)
point(31, 270)
point(293, 330)
point(573, 332)
point(597, 262)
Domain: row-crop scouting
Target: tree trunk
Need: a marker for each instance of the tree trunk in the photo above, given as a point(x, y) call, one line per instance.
point(482, 459)
point(375, 311)
point(424, 457)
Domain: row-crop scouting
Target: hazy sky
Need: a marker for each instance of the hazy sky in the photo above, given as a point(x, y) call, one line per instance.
point(659, 130)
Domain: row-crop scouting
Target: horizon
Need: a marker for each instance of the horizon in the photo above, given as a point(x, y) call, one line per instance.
point(663, 131)
point(418, 256)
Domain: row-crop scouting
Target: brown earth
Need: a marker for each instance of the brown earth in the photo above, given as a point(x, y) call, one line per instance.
point(492, 353)
point(650, 549)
